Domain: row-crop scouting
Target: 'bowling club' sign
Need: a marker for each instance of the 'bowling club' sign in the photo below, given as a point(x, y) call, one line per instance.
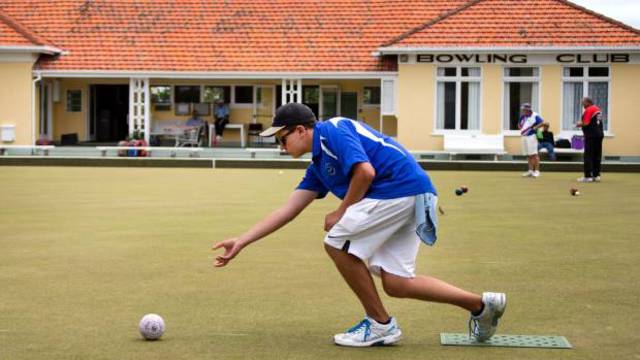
point(518, 59)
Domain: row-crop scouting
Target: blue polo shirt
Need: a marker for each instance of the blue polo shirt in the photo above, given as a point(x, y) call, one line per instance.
point(341, 143)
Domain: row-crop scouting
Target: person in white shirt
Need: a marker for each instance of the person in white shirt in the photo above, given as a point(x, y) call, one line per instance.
point(528, 124)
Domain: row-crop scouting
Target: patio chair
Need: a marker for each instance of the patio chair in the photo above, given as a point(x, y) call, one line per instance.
point(254, 132)
point(191, 137)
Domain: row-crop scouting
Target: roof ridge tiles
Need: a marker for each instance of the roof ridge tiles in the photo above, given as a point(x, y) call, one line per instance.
point(22, 30)
point(431, 22)
point(454, 21)
point(601, 16)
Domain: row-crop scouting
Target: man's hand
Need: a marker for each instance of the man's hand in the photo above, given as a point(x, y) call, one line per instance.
point(231, 248)
point(579, 124)
point(332, 218)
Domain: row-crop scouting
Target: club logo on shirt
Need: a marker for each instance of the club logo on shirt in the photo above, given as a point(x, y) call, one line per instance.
point(330, 169)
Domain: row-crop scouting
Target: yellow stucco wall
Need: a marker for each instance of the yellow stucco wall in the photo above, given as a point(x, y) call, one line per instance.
point(491, 104)
point(15, 100)
point(65, 122)
point(416, 107)
point(624, 122)
point(414, 124)
point(415, 113)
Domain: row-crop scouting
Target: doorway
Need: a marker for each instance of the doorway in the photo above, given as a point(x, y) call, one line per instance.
point(349, 105)
point(109, 109)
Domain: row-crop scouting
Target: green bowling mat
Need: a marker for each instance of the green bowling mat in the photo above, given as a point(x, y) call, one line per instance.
point(525, 341)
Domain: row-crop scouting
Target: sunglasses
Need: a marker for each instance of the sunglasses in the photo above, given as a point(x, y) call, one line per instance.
point(282, 140)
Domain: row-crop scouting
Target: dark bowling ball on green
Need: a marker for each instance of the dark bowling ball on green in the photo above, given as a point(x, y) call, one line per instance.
point(459, 192)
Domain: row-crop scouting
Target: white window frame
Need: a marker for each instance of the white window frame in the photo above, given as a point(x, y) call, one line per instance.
point(585, 79)
point(519, 79)
point(458, 79)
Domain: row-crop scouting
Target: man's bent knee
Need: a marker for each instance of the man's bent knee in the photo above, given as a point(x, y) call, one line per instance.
point(393, 285)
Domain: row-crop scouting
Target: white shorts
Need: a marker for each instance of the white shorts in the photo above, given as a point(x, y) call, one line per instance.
point(381, 232)
point(529, 145)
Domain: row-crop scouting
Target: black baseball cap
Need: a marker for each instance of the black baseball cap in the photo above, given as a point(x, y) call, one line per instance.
point(288, 115)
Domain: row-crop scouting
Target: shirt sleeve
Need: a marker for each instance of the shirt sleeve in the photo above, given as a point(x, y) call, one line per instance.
point(347, 145)
point(539, 120)
point(311, 182)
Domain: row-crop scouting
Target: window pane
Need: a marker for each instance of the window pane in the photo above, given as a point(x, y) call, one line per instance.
point(329, 103)
point(446, 105)
point(215, 93)
point(522, 71)
point(574, 72)
point(161, 94)
point(311, 94)
point(74, 101)
point(371, 95)
point(571, 104)
point(474, 71)
point(515, 95)
point(599, 93)
point(470, 106)
point(464, 105)
point(244, 94)
point(187, 94)
point(598, 71)
point(446, 71)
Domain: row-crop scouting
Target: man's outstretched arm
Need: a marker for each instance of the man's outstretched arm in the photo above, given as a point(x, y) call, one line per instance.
point(297, 202)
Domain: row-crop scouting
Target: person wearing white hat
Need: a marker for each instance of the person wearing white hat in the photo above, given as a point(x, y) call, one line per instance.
point(528, 125)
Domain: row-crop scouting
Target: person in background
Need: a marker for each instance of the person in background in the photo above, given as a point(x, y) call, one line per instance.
point(124, 143)
point(221, 115)
point(44, 140)
point(593, 130)
point(545, 141)
point(528, 125)
point(195, 122)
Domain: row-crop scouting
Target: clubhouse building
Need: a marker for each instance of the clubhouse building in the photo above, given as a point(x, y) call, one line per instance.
point(422, 71)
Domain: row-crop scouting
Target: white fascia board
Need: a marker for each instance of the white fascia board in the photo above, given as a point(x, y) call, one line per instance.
point(214, 75)
point(535, 49)
point(50, 50)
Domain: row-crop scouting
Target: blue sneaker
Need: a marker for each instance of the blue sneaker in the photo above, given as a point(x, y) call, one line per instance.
point(369, 332)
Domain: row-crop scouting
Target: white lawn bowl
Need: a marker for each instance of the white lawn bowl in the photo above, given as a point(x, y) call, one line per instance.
point(151, 327)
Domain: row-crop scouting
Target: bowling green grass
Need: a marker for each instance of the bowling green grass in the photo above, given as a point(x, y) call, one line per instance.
point(86, 252)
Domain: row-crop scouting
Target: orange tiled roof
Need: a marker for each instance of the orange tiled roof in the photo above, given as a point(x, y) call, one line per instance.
point(519, 23)
point(13, 33)
point(222, 35)
point(289, 35)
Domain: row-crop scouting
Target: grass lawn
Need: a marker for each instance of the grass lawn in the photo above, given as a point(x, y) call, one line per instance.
point(85, 252)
